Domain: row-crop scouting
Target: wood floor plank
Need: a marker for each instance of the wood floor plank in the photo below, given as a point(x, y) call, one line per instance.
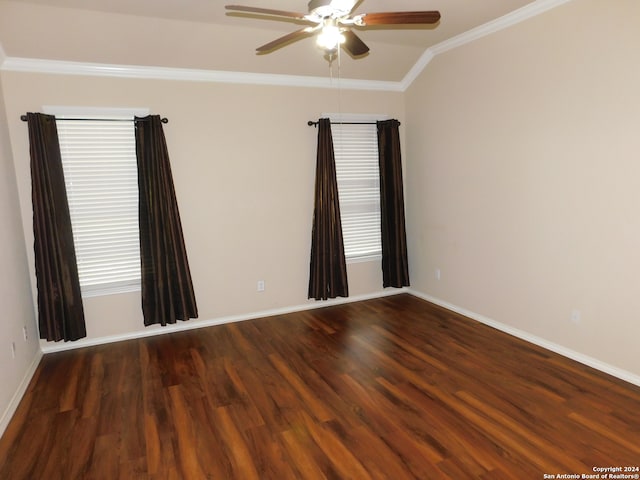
point(269, 454)
point(243, 465)
point(341, 458)
point(302, 459)
point(105, 462)
point(183, 424)
point(387, 388)
point(316, 406)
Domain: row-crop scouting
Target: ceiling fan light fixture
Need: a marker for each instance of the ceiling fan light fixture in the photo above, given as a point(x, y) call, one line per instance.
point(330, 38)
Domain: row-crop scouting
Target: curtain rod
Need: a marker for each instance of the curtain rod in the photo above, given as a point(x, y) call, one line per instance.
point(163, 120)
point(315, 124)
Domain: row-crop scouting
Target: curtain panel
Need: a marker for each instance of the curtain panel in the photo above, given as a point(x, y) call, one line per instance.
point(60, 309)
point(167, 288)
point(395, 266)
point(328, 269)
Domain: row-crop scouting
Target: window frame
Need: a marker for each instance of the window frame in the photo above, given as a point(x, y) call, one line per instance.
point(129, 284)
point(376, 255)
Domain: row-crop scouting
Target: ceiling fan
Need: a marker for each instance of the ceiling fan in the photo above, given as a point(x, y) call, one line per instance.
point(333, 21)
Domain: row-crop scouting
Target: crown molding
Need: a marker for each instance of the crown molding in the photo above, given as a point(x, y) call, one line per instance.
point(417, 68)
point(508, 20)
point(34, 65)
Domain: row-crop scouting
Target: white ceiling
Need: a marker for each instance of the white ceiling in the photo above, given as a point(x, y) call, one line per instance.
point(200, 34)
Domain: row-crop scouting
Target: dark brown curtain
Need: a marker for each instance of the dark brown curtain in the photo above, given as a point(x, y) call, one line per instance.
point(60, 310)
point(167, 289)
point(328, 269)
point(395, 269)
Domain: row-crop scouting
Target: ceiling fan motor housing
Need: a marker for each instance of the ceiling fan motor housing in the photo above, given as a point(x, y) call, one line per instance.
point(330, 8)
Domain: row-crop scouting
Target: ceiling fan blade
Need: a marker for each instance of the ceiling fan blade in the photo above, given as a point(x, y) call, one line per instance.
point(279, 42)
point(398, 18)
point(353, 44)
point(266, 11)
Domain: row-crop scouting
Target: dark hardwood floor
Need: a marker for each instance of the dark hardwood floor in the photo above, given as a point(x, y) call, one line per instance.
point(392, 388)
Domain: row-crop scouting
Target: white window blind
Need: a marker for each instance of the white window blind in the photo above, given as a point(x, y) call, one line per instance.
point(356, 153)
point(100, 169)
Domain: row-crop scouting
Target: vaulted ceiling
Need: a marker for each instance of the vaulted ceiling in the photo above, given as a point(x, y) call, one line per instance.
point(200, 34)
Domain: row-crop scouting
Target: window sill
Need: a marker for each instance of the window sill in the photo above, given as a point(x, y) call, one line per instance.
point(376, 257)
point(101, 291)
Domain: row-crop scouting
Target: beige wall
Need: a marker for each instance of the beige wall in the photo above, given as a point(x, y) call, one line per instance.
point(243, 161)
point(15, 298)
point(524, 178)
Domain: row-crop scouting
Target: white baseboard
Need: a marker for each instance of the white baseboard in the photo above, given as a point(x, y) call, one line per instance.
point(541, 342)
point(191, 325)
point(7, 415)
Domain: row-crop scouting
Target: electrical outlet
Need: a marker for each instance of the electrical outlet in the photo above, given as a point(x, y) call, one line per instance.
point(438, 274)
point(25, 333)
point(261, 285)
point(13, 349)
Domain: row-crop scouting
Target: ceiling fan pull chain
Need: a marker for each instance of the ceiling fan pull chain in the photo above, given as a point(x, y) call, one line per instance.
point(330, 60)
point(340, 86)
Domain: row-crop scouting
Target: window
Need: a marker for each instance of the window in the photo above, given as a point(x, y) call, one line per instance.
point(100, 169)
point(356, 153)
